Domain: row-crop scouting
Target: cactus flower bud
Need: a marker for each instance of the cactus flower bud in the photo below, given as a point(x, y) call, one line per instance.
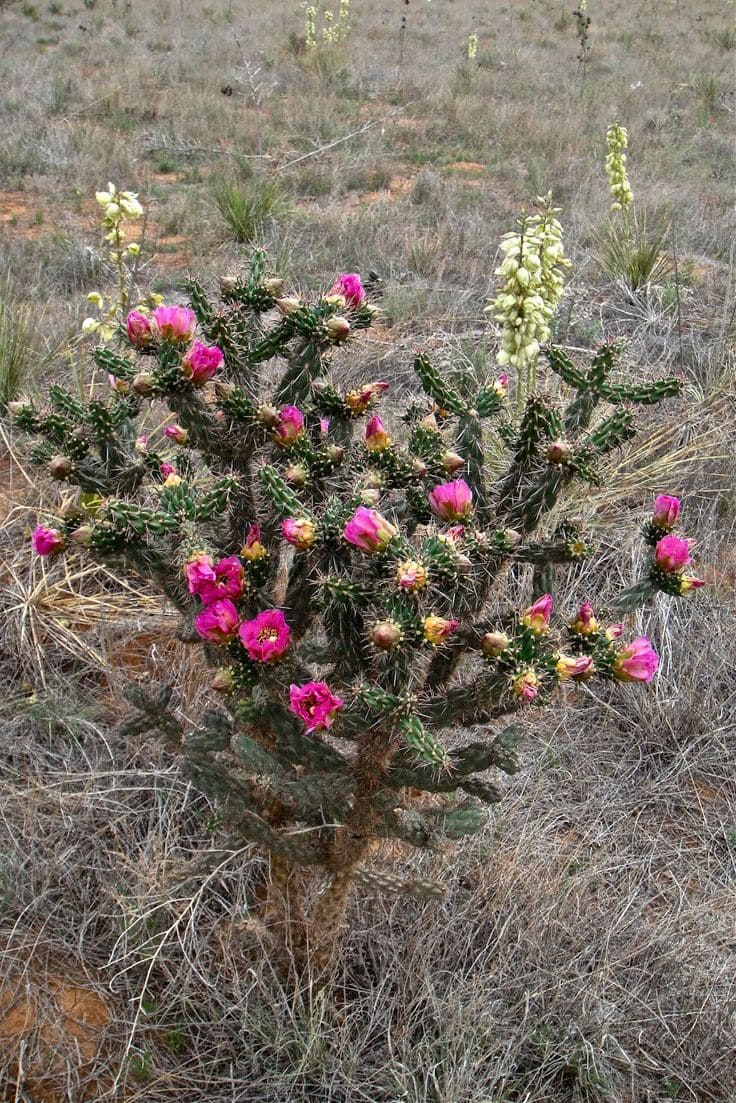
point(82, 536)
point(452, 462)
point(689, 582)
point(273, 286)
point(376, 437)
point(296, 474)
point(386, 635)
point(636, 661)
point(338, 328)
point(574, 666)
point(167, 469)
point(218, 622)
point(438, 629)
point(201, 363)
point(253, 549)
point(559, 452)
point(16, 408)
point(335, 454)
point(142, 383)
point(139, 330)
point(411, 575)
point(289, 428)
point(349, 286)
point(46, 541)
point(288, 306)
point(672, 553)
point(175, 324)
point(228, 284)
point(493, 644)
point(269, 416)
point(369, 531)
point(536, 617)
point(177, 433)
point(301, 533)
point(452, 501)
point(666, 511)
point(315, 704)
point(223, 681)
point(526, 685)
point(118, 385)
point(419, 467)
point(370, 496)
point(430, 423)
point(501, 385)
point(60, 467)
point(359, 401)
point(224, 390)
point(172, 481)
point(511, 539)
point(585, 623)
point(267, 637)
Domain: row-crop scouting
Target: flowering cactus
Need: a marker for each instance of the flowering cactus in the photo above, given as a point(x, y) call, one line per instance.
point(344, 589)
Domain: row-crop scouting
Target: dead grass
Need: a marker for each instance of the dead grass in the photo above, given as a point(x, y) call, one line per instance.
point(584, 953)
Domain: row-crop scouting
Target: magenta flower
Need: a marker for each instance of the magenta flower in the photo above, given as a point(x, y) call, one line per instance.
point(228, 581)
point(501, 385)
point(536, 617)
point(585, 623)
point(411, 575)
point(438, 629)
point(139, 330)
point(315, 704)
point(167, 469)
point(574, 666)
point(198, 570)
point(201, 363)
point(369, 531)
point(359, 401)
point(116, 384)
point(290, 426)
point(218, 622)
point(636, 662)
point(177, 433)
point(350, 287)
point(666, 511)
point(175, 324)
point(452, 501)
point(376, 437)
point(46, 541)
point(324, 426)
point(672, 553)
point(267, 637)
point(299, 532)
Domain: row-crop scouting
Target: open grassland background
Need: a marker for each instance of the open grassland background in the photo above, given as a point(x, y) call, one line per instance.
point(585, 951)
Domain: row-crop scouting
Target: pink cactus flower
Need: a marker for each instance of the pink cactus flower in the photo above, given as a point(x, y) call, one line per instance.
point(455, 533)
point(324, 426)
point(300, 532)
point(139, 330)
point(46, 541)
point(267, 637)
point(585, 623)
point(201, 363)
point(175, 324)
point(350, 287)
point(672, 553)
point(689, 582)
point(198, 570)
point(452, 501)
point(614, 631)
point(289, 428)
point(167, 469)
point(666, 511)
point(636, 661)
point(218, 622)
point(376, 437)
point(536, 617)
point(411, 575)
point(315, 704)
point(359, 401)
point(177, 433)
point(438, 629)
point(526, 685)
point(253, 549)
point(369, 531)
point(229, 581)
point(141, 443)
point(574, 666)
point(501, 385)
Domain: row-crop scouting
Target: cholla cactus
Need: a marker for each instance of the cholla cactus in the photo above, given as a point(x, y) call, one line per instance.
point(339, 574)
point(616, 142)
point(533, 271)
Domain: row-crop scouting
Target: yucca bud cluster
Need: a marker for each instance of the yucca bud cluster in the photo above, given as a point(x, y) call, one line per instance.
point(340, 558)
point(533, 274)
point(618, 181)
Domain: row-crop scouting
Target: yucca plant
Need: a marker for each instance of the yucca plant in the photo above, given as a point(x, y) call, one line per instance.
point(341, 577)
point(246, 206)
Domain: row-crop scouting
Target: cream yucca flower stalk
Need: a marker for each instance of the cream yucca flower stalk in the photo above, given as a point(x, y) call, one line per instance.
point(617, 140)
point(118, 207)
point(533, 271)
point(472, 47)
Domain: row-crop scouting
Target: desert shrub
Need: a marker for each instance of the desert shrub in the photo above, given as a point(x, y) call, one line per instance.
point(341, 573)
